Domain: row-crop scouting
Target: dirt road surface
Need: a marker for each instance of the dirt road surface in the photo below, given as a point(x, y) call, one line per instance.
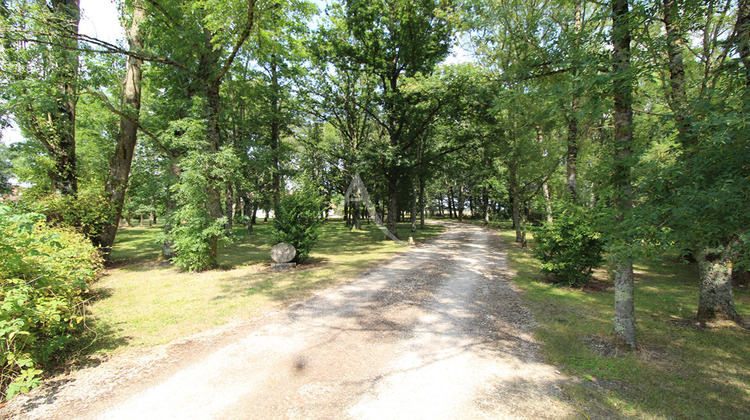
point(435, 333)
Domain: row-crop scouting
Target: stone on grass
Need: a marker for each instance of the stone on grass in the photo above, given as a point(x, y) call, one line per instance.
point(283, 252)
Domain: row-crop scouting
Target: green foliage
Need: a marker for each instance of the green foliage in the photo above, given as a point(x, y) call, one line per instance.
point(298, 221)
point(192, 229)
point(88, 213)
point(569, 248)
point(44, 273)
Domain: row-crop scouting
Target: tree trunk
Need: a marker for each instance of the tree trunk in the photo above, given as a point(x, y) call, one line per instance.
point(460, 204)
point(229, 206)
point(625, 331)
point(275, 131)
point(392, 206)
point(63, 121)
point(715, 266)
point(715, 295)
point(677, 97)
point(450, 203)
point(571, 155)
point(486, 204)
point(624, 328)
point(127, 137)
point(414, 202)
point(421, 202)
point(547, 202)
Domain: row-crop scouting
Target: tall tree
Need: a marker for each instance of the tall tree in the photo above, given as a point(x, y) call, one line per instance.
point(625, 329)
point(395, 40)
point(192, 36)
point(127, 136)
point(41, 55)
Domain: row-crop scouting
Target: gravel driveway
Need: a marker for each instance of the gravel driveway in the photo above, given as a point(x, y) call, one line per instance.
point(435, 333)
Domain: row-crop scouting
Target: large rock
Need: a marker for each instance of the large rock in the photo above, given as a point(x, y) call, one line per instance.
point(283, 252)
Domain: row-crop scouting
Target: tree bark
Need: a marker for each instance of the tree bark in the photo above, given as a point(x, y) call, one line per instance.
point(414, 202)
point(571, 156)
point(450, 202)
point(127, 137)
point(63, 121)
point(486, 203)
point(677, 97)
point(460, 204)
point(547, 202)
point(229, 205)
point(392, 206)
point(421, 202)
point(624, 322)
point(715, 266)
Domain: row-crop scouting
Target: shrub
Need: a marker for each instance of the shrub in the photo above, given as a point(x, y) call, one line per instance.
point(298, 220)
point(88, 213)
point(569, 249)
point(44, 274)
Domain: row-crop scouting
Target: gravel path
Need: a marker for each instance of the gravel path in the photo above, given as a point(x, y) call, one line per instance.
point(437, 332)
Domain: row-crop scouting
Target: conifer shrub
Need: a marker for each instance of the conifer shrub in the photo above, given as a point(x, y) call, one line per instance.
point(569, 248)
point(298, 218)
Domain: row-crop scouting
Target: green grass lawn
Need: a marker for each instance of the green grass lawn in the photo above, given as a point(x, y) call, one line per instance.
point(679, 371)
point(145, 301)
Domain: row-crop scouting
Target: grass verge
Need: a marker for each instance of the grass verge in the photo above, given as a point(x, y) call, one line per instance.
point(145, 301)
point(679, 371)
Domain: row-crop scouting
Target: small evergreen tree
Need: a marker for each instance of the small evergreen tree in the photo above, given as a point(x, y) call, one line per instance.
point(569, 248)
point(298, 218)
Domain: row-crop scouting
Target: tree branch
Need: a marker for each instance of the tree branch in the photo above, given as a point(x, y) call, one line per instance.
point(108, 48)
point(243, 36)
point(130, 118)
point(163, 11)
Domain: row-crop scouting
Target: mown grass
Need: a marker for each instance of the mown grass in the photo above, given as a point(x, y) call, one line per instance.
point(145, 301)
point(680, 369)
